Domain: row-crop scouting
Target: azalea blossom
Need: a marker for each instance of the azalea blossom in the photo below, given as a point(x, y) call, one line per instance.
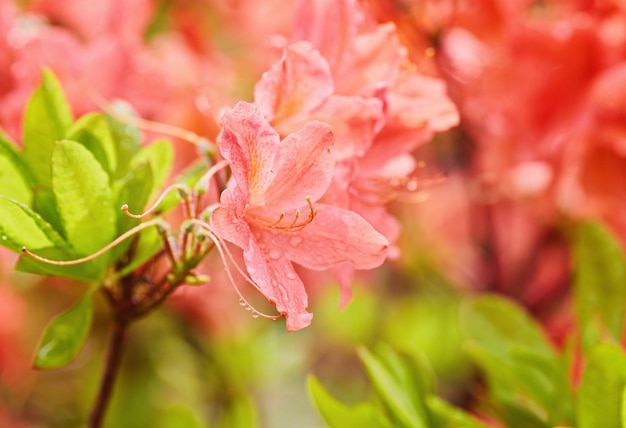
point(270, 209)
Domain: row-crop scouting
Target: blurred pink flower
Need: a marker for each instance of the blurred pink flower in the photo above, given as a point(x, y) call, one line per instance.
point(270, 209)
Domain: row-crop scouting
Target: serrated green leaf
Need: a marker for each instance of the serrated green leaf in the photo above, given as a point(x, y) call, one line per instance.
point(22, 227)
point(160, 156)
point(340, 415)
point(600, 284)
point(65, 334)
point(16, 180)
point(83, 197)
point(447, 416)
point(47, 119)
point(391, 387)
point(600, 395)
point(92, 130)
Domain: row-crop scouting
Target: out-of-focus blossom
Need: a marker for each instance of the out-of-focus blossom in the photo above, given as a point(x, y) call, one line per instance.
point(270, 209)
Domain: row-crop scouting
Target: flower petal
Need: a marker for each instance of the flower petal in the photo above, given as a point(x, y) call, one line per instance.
point(304, 168)
point(335, 236)
point(250, 144)
point(297, 84)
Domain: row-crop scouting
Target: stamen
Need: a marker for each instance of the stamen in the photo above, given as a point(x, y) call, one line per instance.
point(150, 125)
point(223, 252)
point(183, 192)
point(294, 226)
point(103, 250)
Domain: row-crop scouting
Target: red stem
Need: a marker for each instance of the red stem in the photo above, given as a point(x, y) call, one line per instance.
point(111, 370)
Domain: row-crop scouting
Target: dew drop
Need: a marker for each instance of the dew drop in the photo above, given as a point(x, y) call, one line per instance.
point(291, 275)
point(248, 308)
point(251, 270)
point(242, 302)
point(294, 241)
point(255, 315)
point(274, 254)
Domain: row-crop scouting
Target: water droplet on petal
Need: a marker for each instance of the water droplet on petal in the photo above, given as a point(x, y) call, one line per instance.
point(251, 270)
point(291, 275)
point(274, 254)
point(295, 241)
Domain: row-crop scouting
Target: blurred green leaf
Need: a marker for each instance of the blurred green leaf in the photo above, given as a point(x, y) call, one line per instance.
point(340, 415)
point(16, 180)
point(22, 227)
point(160, 156)
point(127, 138)
point(148, 244)
point(47, 118)
point(178, 416)
point(65, 334)
point(600, 285)
point(92, 131)
point(525, 375)
point(603, 381)
point(397, 388)
point(83, 196)
point(445, 415)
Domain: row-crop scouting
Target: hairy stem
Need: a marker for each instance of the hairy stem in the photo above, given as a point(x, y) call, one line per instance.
point(111, 370)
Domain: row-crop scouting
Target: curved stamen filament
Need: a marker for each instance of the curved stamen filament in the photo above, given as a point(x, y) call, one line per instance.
point(294, 226)
point(150, 125)
point(225, 255)
point(182, 189)
point(103, 250)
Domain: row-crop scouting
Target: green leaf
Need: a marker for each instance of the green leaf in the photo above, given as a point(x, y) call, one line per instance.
point(623, 410)
point(65, 334)
point(603, 381)
point(45, 204)
point(133, 190)
point(160, 156)
point(150, 242)
point(83, 196)
point(16, 180)
point(127, 138)
point(47, 119)
point(92, 130)
point(88, 271)
point(600, 285)
point(179, 415)
point(524, 373)
point(447, 416)
point(340, 415)
point(22, 227)
point(396, 389)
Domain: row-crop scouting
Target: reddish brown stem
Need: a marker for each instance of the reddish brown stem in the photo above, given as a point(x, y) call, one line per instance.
point(111, 370)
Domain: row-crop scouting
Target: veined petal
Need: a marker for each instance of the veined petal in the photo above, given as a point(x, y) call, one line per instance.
point(250, 144)
point(270, 270)
point(304, 168)
point(273, 272)
point(335, 236)
point(294, 86)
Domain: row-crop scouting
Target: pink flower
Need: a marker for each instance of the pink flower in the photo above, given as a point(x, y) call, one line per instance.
point(270, 209)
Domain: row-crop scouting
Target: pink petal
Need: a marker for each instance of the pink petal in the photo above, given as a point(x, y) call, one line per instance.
point(272, 271)
point(250, 144)
point(297, 84)
point(335, 236)
point(303, 168)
